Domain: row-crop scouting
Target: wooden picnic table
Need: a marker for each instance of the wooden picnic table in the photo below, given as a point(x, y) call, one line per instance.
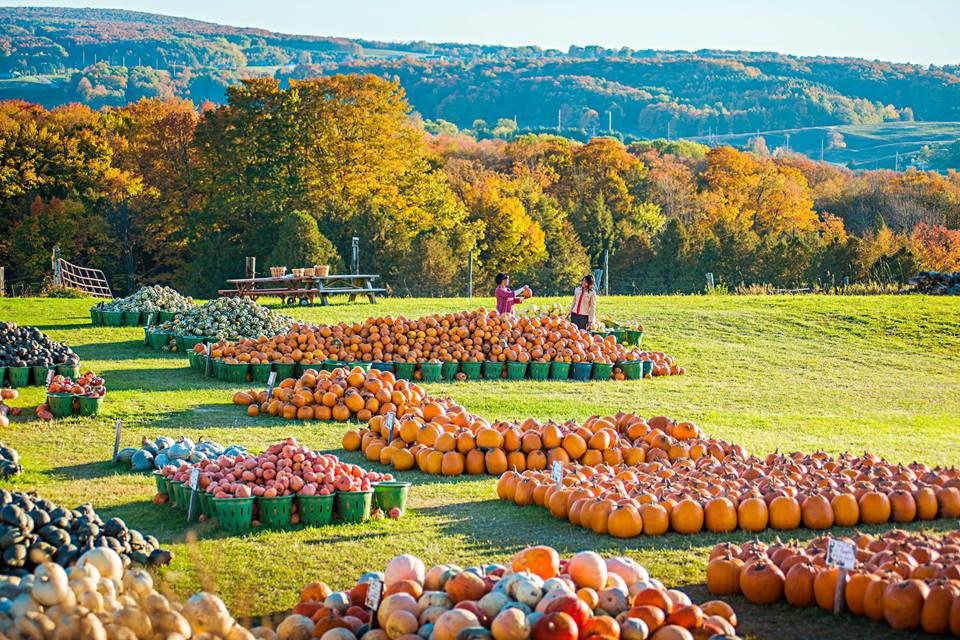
point(304, 289)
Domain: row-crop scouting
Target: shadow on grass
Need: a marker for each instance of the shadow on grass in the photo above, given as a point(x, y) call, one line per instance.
point(126, 350)
point(87, 471)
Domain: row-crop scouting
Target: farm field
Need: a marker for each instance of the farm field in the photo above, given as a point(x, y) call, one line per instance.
point(807, 373)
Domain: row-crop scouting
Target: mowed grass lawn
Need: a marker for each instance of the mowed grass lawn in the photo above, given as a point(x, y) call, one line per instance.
point(788, 373)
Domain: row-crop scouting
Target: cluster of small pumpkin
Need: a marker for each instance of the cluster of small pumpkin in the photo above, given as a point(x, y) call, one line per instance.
point(453, 442)
point(6, 411)
point(96, 599)
point(283, 469)
point(538, 596)
point(909, 580)
point(468, 336)
point(342, 394)
point(724, 492)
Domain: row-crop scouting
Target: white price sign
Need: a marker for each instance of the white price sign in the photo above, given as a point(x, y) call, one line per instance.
point(374, 593)
point(841, 554)
point(391, 418)
point(271, 380)
point(556, 473)
point(194, 478)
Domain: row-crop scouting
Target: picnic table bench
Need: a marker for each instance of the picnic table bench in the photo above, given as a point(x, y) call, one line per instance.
point(304, 290)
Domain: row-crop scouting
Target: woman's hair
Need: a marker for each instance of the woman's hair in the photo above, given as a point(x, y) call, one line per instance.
point(500, 277)
point(588, 279)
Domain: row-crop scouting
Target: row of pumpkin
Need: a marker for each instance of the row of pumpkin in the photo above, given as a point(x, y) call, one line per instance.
point(911, 581)
point(782, 492)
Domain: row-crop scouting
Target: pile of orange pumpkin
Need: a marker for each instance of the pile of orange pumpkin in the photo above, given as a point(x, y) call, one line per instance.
point(538, 596)
point(720, 493)
point(473, 336)
point(342, 394)
point(450, 441)
point(909, 580)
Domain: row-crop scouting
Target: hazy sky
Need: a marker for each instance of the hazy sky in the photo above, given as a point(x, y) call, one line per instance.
point(919, 31)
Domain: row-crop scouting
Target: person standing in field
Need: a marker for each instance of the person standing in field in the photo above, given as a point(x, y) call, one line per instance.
point(584, 307)
point(506, 297)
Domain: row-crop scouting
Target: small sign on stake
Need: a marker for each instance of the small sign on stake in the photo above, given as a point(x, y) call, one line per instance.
point(391, 419)
point(843, 555)
point(372, 600)
point(49, 376)
point(271, 380)
point(556, 473)
point(208, 370)
point(116, 439)
point(192, 482)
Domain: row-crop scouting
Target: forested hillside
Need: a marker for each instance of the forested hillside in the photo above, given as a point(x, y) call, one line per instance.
point(157, 191)
point(111, 57)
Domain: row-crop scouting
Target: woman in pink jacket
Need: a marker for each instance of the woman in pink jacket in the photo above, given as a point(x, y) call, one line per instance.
point(584, 308)
point(506, 297)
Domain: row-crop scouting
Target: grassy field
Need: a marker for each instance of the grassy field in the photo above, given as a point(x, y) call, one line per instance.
point(814, 372)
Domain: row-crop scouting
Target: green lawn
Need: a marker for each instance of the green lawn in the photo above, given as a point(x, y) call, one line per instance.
point(811, 372)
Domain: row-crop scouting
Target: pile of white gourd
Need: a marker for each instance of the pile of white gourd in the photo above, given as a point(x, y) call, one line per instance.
point(98, 600)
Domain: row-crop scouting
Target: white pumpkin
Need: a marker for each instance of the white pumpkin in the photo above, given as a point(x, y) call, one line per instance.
point(404, 567)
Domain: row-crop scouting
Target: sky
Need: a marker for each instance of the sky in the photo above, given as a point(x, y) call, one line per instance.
point(917, 31)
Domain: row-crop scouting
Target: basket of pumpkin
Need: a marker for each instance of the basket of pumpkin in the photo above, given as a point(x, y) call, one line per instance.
point(285, 486)
point(83, 396)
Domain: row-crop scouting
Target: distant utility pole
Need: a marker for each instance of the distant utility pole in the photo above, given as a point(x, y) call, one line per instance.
point(558, 120)
point(786, 142)
point(821, 149)
point(610, 121)
point(897, 165)
point(668, 130)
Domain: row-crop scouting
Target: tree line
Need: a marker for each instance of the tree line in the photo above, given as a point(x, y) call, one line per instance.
point(157, 191)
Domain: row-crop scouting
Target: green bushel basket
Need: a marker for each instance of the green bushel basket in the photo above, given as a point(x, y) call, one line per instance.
point(284, 370)
point(602, 371)
point(39, 374)
point(582, 371)
point(359, 363)
point(181, 344)
point(219, 370)
point(89, 406)
point(174, 492)
point(112, 318)
point(158, 339)
point(315, 511)
point(559, 370)
point(234, 514)
point(71, 371)
point(633, 336)
point(96, 316)
point(448, 370)
point(492, 369)
point(165, 316)
point(471, 369)
point(3, 374)
point(161, 482)
point(647, 368)
point(354, 506)
point(261, 372)
point(632, 369)
point(131, 318)
point(404, 370)
point(19, 376)
point(236, 372)
point(391, 494)
point(61, 404)
point(431, 371)
point(192, 359)
point(516, 370)
point(206, 504)
point(275, 512)
point(539, 370)
point(619, 334)
point(382, 366)
point(330, 365)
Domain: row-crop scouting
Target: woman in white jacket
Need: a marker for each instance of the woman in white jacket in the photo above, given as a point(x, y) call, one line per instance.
point(584, 307)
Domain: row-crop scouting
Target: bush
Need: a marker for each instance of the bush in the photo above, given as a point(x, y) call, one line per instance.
point(301, 244)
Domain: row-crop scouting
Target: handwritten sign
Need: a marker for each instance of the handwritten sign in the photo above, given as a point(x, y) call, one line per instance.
point(116, 439)
point(556, 473)
point(209, 368)
point(841, 554)
point(271, 380)
point(391, 419)
point(192, 483)
point(49, 376)
point(372, 601)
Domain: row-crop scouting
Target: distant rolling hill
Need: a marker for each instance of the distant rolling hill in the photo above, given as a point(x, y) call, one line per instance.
point(105, 57)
